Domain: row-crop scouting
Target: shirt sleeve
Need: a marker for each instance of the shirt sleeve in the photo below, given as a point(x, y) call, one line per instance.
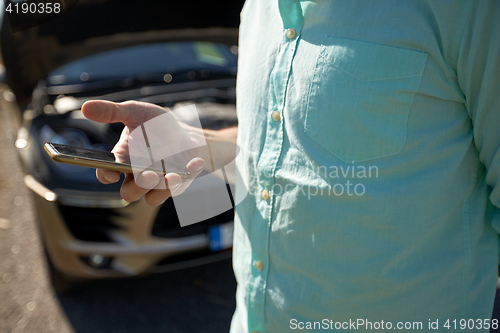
point(478, 71)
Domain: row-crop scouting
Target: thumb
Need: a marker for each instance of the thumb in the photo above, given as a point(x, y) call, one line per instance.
point(130, 113)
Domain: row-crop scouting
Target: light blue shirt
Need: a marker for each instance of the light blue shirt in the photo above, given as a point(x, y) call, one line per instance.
point(375, 129)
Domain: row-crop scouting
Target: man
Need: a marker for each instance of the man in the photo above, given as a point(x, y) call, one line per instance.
point(371, 147)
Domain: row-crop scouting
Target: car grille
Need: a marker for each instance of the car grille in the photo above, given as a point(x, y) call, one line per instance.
point(167, 224)
point(96, 224)
point(89, 224)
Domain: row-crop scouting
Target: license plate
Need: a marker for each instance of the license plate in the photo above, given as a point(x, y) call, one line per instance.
point(221, 236)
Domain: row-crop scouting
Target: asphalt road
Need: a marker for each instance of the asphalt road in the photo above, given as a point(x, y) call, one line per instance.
point(199, 299)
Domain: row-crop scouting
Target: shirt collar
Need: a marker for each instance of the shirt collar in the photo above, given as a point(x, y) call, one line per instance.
point(291, 14)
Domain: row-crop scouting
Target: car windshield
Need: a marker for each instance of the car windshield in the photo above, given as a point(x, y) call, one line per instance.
point(142, 61)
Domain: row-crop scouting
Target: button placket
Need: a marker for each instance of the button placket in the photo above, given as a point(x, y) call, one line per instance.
point(261, 230)
point(266, 167)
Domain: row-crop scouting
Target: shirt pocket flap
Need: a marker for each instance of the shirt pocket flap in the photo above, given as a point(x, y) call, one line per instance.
point(371, 62)
point(360, 98)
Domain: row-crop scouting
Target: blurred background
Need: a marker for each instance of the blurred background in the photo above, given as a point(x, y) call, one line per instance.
point(74, 256)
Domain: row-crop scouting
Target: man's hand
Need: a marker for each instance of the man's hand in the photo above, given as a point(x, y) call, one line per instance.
point(133, 114)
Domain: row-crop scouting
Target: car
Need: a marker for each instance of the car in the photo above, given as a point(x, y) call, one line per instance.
point(168, 53)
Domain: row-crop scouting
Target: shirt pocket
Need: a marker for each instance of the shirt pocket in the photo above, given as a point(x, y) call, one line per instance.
point(360, 98)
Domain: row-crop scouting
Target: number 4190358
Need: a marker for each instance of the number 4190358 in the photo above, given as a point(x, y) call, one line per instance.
point(471, 324)
point(33, 8)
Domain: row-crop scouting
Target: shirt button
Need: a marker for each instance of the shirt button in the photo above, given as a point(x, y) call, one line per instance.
point(264, 194)
point(291, 33)
point(276, 116)
point(259, 265)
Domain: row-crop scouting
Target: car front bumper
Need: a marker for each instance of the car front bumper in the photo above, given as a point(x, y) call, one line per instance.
point(130, 248)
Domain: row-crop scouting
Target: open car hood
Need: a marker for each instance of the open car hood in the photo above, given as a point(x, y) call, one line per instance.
point(93, 26)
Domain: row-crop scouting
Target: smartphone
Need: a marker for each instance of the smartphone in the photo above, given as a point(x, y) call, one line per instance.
point(97, 159)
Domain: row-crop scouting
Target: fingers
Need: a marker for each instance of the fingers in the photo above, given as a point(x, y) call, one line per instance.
point(157, 197)
point(103, 111)
point(175, 186)
point(130, 191)
point(131, 113)
point(195, 166)
point(147, 180)
point(133, 189)
point(107, 176)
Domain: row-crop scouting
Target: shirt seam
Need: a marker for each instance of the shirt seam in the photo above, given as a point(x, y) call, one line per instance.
point(459, 46)
point(466, 227)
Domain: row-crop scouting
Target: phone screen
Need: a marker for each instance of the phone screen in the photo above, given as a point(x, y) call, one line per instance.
point(101, 159)
point(85, 153)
